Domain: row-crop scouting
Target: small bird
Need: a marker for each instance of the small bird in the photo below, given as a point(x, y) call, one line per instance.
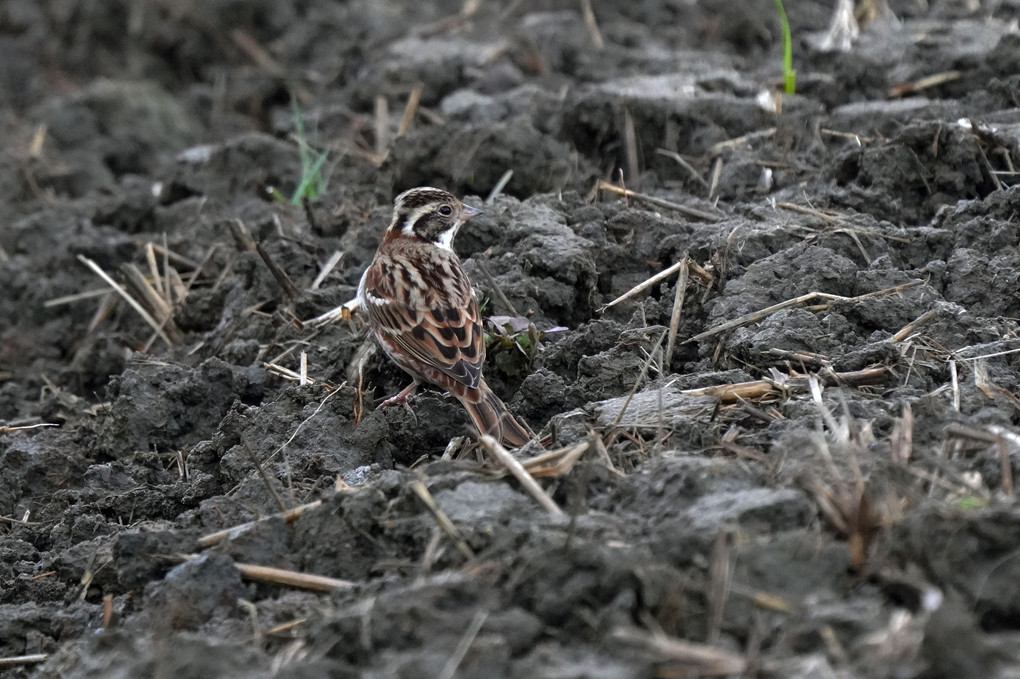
point(424, 313)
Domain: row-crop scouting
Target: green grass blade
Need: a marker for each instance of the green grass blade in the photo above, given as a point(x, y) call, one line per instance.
point(789, 75)
point(313, 184)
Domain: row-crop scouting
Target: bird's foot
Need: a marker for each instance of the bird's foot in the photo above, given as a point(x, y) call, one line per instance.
point(401, 398)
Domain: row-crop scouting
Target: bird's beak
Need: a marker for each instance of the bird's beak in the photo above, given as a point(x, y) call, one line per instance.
point(468, 212)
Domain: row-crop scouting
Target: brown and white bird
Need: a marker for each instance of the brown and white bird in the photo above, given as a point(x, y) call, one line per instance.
point(421, 307)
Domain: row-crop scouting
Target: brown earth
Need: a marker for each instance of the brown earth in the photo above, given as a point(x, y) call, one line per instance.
point(860, 523)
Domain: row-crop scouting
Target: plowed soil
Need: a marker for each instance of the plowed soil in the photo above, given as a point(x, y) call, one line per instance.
point(845, 256)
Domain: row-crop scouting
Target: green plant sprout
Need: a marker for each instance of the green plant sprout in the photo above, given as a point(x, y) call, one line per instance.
point(789, 75)
point(516, 343)
point(313, 179)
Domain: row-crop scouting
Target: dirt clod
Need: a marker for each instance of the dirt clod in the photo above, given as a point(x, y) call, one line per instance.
point(795, 454)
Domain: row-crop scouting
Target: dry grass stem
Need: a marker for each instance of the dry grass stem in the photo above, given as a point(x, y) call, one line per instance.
point(801, 357)
point(242, 239)
point(177, 290)
point(697, 660)
point(464, 645)
point(260, 469)
point(811, 296)
point(720, 572)
point(168, 271)
point(467, 10)
point(520, 473)
point(729, 393)
point(157, 327)
point(762, 599)
point(637, 384)
point(35, 147)
point(178, 258)
point(241, 319)
point(1006, 467)
point(107, 610)
point(286, 626)
point(924, 83)
point(815, 388)
point(103, 311)
point(842, 225)
point(678, 306)
point(292, 375)
point(150, 259)
point(603, 453)
point(382, 127)
point(4, 429)
point(234, 531)
point(556, 463)
point(86, 294)
point(843, 28)
point(630, 147)
point(442, 520)
point(410, 110)
point(793, 207)
point(17, 660)
point(984, 356)
point(684, 164)
point(301, 426)
point(706, 276)
point(913, 325)
point(279, 576)
point(999, 186)
point(306, 206)
point(955, 380)
point(901, 440)
point(717, 149)
point(592, 24)
point(152, 299)
point(1000, 437)
point(713, 181)
point(504, 179)
point(860, 139)
point(495, 287)
point(344, 312)
point(327, 268)
point(691, 212)
point(259, 56)
point(282, 279)
point(641, 287)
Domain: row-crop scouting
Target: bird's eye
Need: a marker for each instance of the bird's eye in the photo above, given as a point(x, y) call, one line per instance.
point(446, 210)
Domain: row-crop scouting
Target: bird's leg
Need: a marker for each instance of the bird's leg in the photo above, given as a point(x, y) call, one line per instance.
point(401, 398)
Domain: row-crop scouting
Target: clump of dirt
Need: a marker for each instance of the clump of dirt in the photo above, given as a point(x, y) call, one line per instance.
point(794, 454)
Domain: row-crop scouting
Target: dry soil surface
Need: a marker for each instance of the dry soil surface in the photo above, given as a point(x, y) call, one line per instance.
point(850, 252)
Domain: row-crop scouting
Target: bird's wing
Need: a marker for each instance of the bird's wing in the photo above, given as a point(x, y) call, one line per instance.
point(442, 331)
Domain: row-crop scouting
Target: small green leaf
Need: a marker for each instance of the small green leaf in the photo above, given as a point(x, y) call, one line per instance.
point(789, 75)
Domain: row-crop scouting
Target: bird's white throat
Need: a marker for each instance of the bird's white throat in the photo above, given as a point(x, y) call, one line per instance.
point(446, 239)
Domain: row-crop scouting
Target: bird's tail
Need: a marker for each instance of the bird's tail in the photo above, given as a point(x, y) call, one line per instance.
point(491, 417)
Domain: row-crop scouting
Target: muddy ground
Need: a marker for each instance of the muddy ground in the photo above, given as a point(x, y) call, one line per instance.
point(850, 513)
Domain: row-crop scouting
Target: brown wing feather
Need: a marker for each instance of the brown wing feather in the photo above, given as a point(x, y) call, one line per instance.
point(442, 331)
